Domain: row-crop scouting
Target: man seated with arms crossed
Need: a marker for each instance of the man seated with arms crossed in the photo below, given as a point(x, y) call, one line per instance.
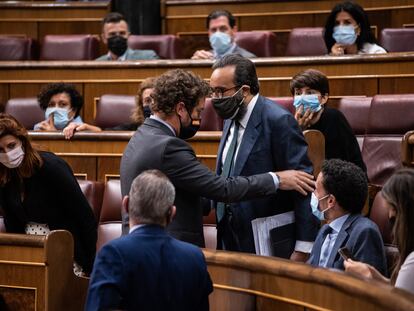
point(148, 269)
point(221, 27)
point(115, 33)
point(159, 143)
point(340, 194)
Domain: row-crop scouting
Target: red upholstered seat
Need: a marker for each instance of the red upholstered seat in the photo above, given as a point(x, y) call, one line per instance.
point(112, 201)
point(93, 191)
point(112, 110)
point(285, 102)
point(356, 111)
point(26, 110)
point(379, 215)
point(166, 46)
point(397, 39)
point(69, 47)
point(260, 43)
point(210, 121)
point(306, 42)
point(107, 232)
point(16, 48)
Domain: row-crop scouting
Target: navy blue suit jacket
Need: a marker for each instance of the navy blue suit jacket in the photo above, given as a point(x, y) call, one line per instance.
point(272, 142)
point(149, 270)
point(361, 236)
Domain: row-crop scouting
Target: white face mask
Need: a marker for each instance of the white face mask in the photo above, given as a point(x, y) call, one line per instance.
point(13, 158)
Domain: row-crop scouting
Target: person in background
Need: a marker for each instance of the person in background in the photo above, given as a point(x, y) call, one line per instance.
point(221, 27)
point(62, 104)
point(310, 89)
point(148, 269)
point(340, 194)
point(115, 33)
point(398, 193)
point(39, 193)
point(143, 108)
point(348, 31)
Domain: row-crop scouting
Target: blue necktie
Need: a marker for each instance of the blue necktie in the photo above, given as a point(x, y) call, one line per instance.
point(325, 249)
point(227, 167)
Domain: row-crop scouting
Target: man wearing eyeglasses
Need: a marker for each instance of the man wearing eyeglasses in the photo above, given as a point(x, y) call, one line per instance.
point(258, 136)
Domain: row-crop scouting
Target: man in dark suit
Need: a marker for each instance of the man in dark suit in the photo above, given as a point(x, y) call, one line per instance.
point(148, 269)
point(179, 98)
point(340, 194)
point(268, 139)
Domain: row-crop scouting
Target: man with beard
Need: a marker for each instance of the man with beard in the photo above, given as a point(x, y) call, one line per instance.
point(267, 139)
point(115, 33)
point(159, 143)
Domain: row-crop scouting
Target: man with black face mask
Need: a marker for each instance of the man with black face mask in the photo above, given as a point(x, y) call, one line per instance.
point(267, 139)
point(159, 144)
point(115, 35)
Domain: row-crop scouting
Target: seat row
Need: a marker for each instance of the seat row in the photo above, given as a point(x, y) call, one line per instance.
point(302, 42)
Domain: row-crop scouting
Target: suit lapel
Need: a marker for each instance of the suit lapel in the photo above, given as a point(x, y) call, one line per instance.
point(314, 260)
point(225, 133)
point(341, 239)
point(250, 136)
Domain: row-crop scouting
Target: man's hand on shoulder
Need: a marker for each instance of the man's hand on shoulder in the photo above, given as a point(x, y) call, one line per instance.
point(296, 180)
point(202, 54)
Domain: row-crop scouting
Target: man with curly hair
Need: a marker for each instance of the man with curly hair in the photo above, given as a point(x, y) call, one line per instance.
point(179, 98)
point(62, 104)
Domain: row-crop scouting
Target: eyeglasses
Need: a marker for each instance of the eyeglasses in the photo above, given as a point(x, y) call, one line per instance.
point(219, 91)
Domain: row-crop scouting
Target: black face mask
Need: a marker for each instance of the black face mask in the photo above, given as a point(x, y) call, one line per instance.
point(186, 132)
point(147, 112)
point(229, 106)
point(117, 45)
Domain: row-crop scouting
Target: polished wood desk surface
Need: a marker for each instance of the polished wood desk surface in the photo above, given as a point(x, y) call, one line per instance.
point(250, 282)
point(359, 75)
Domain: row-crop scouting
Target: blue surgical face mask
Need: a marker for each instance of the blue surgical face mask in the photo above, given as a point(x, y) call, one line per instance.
point(310, 101)
point(314, 203)
point(60, 117)
point(220, 42)
point(345, 34)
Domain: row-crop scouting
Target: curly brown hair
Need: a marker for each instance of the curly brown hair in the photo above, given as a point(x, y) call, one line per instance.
point(32, 160)
point(46, 93)
point(177, 86)
point(138, 112)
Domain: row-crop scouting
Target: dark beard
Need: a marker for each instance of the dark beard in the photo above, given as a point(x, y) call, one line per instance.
point(242, 112)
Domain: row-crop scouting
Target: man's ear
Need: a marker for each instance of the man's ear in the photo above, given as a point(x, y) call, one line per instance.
point(331, 201)
point(173, 210)
point(125, 205)
point(104, 40)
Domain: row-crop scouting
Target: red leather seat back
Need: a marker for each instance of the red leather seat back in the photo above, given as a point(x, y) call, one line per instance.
point(16, 48)
point(356, 111)
point(285, 102)
point(107, 232)
point(69, 47)
point(210, 121)
point(93, 191)
point(26, 110)
point(112, 110)
point(166, 46)
point(379, 215)
point(397, 39)
point(112, 202)
point(306, 42)
point(260, 43)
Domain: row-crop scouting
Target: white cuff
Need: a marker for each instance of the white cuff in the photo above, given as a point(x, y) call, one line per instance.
point(275, 179)
point(303, 246)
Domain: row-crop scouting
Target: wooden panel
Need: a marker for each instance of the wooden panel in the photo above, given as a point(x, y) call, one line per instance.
point(18, 299)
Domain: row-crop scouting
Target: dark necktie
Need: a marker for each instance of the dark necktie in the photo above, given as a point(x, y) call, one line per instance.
point(227, 167)
point(325, 248)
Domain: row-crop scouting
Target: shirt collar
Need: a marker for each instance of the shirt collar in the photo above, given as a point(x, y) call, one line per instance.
point(153, 116)
point(243, 121)
point(133, 228)
point(337, 223)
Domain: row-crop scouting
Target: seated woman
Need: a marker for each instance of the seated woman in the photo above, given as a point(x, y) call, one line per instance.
point(142, 110)
point(398, 193)
point(347, 31)
point(62, 104)
point(311, 92)
point(38, 193)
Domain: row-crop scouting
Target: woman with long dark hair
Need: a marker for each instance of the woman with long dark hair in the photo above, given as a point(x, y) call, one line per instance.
point(398, 193)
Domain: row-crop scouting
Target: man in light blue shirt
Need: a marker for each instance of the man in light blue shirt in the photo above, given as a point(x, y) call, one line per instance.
point(340, 194)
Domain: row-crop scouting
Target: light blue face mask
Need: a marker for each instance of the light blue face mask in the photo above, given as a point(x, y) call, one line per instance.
point(220, 42)
point(309, 102)
point(60, 117)
point(314, 203)
point(344, 34)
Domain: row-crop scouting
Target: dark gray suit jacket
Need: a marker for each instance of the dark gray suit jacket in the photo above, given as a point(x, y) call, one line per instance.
point(154, 146)
point(361, 236)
